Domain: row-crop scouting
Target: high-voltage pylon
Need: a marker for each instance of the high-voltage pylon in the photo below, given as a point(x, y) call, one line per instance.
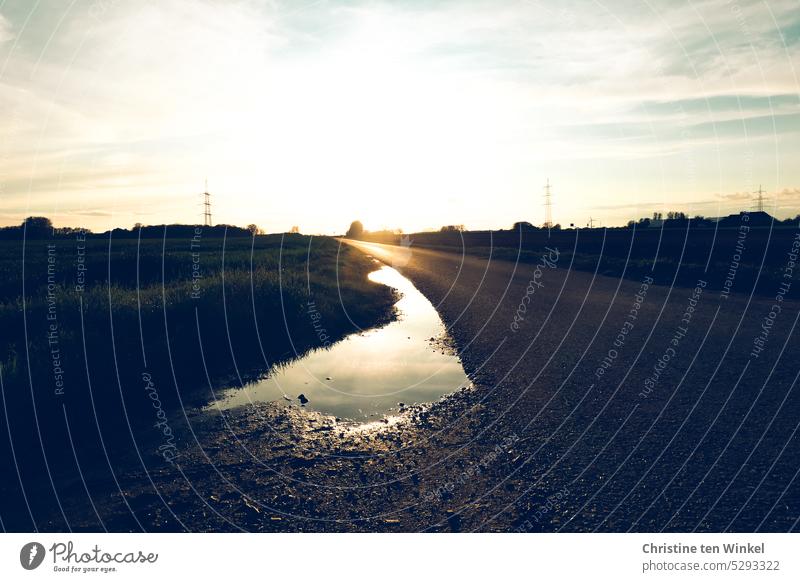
point(760, 199)
point(206, 207)
point(548, 207)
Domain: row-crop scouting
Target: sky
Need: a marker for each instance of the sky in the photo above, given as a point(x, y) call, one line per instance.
point(406, 114)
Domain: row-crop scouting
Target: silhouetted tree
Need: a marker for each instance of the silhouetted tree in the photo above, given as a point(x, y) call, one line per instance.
point(700, 220)
point(356, 230)
point(37, 227)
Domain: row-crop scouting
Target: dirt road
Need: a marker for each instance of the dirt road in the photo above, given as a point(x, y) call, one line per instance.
point(641, 406)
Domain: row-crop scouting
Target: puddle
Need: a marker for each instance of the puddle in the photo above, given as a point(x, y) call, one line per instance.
point(367, 375)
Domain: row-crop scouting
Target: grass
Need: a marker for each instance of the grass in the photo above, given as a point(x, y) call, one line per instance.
point(671, 256)
point(190, 319)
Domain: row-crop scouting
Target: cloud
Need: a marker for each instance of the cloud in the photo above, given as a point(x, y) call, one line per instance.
point(5, 29)
point(734, 196)
point(789, 198)
point(783, 194)
point(93, 213)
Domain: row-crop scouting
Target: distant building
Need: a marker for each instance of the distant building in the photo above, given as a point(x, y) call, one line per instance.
point(754, 219)
point(757, 218)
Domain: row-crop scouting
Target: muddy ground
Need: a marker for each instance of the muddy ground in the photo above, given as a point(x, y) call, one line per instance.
point(571, 424)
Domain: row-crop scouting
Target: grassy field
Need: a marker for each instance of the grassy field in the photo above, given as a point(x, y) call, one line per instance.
point(678, 256)
point(96, 332)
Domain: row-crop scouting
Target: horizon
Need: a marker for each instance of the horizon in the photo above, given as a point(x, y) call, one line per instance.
point(401, 115)
point(399, 231)
point(791, 214)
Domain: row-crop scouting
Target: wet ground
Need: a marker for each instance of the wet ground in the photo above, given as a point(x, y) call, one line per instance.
point(369, 374)
point(572, 424)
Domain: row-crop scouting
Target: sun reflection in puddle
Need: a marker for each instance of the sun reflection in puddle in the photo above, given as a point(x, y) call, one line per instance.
point(369, 374)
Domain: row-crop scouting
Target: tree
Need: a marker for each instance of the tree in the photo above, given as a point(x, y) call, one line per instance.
point(522, 226)
point(356, 230)
point(254, 230)
point(295, 230)
point(37, 227)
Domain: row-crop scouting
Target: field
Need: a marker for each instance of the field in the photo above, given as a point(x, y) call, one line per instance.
point(104, 339)
point(570, 425)
point(562, 414)
point(675, 256)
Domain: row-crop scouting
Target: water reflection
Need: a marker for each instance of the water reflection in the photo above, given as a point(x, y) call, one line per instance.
point(367, 375)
